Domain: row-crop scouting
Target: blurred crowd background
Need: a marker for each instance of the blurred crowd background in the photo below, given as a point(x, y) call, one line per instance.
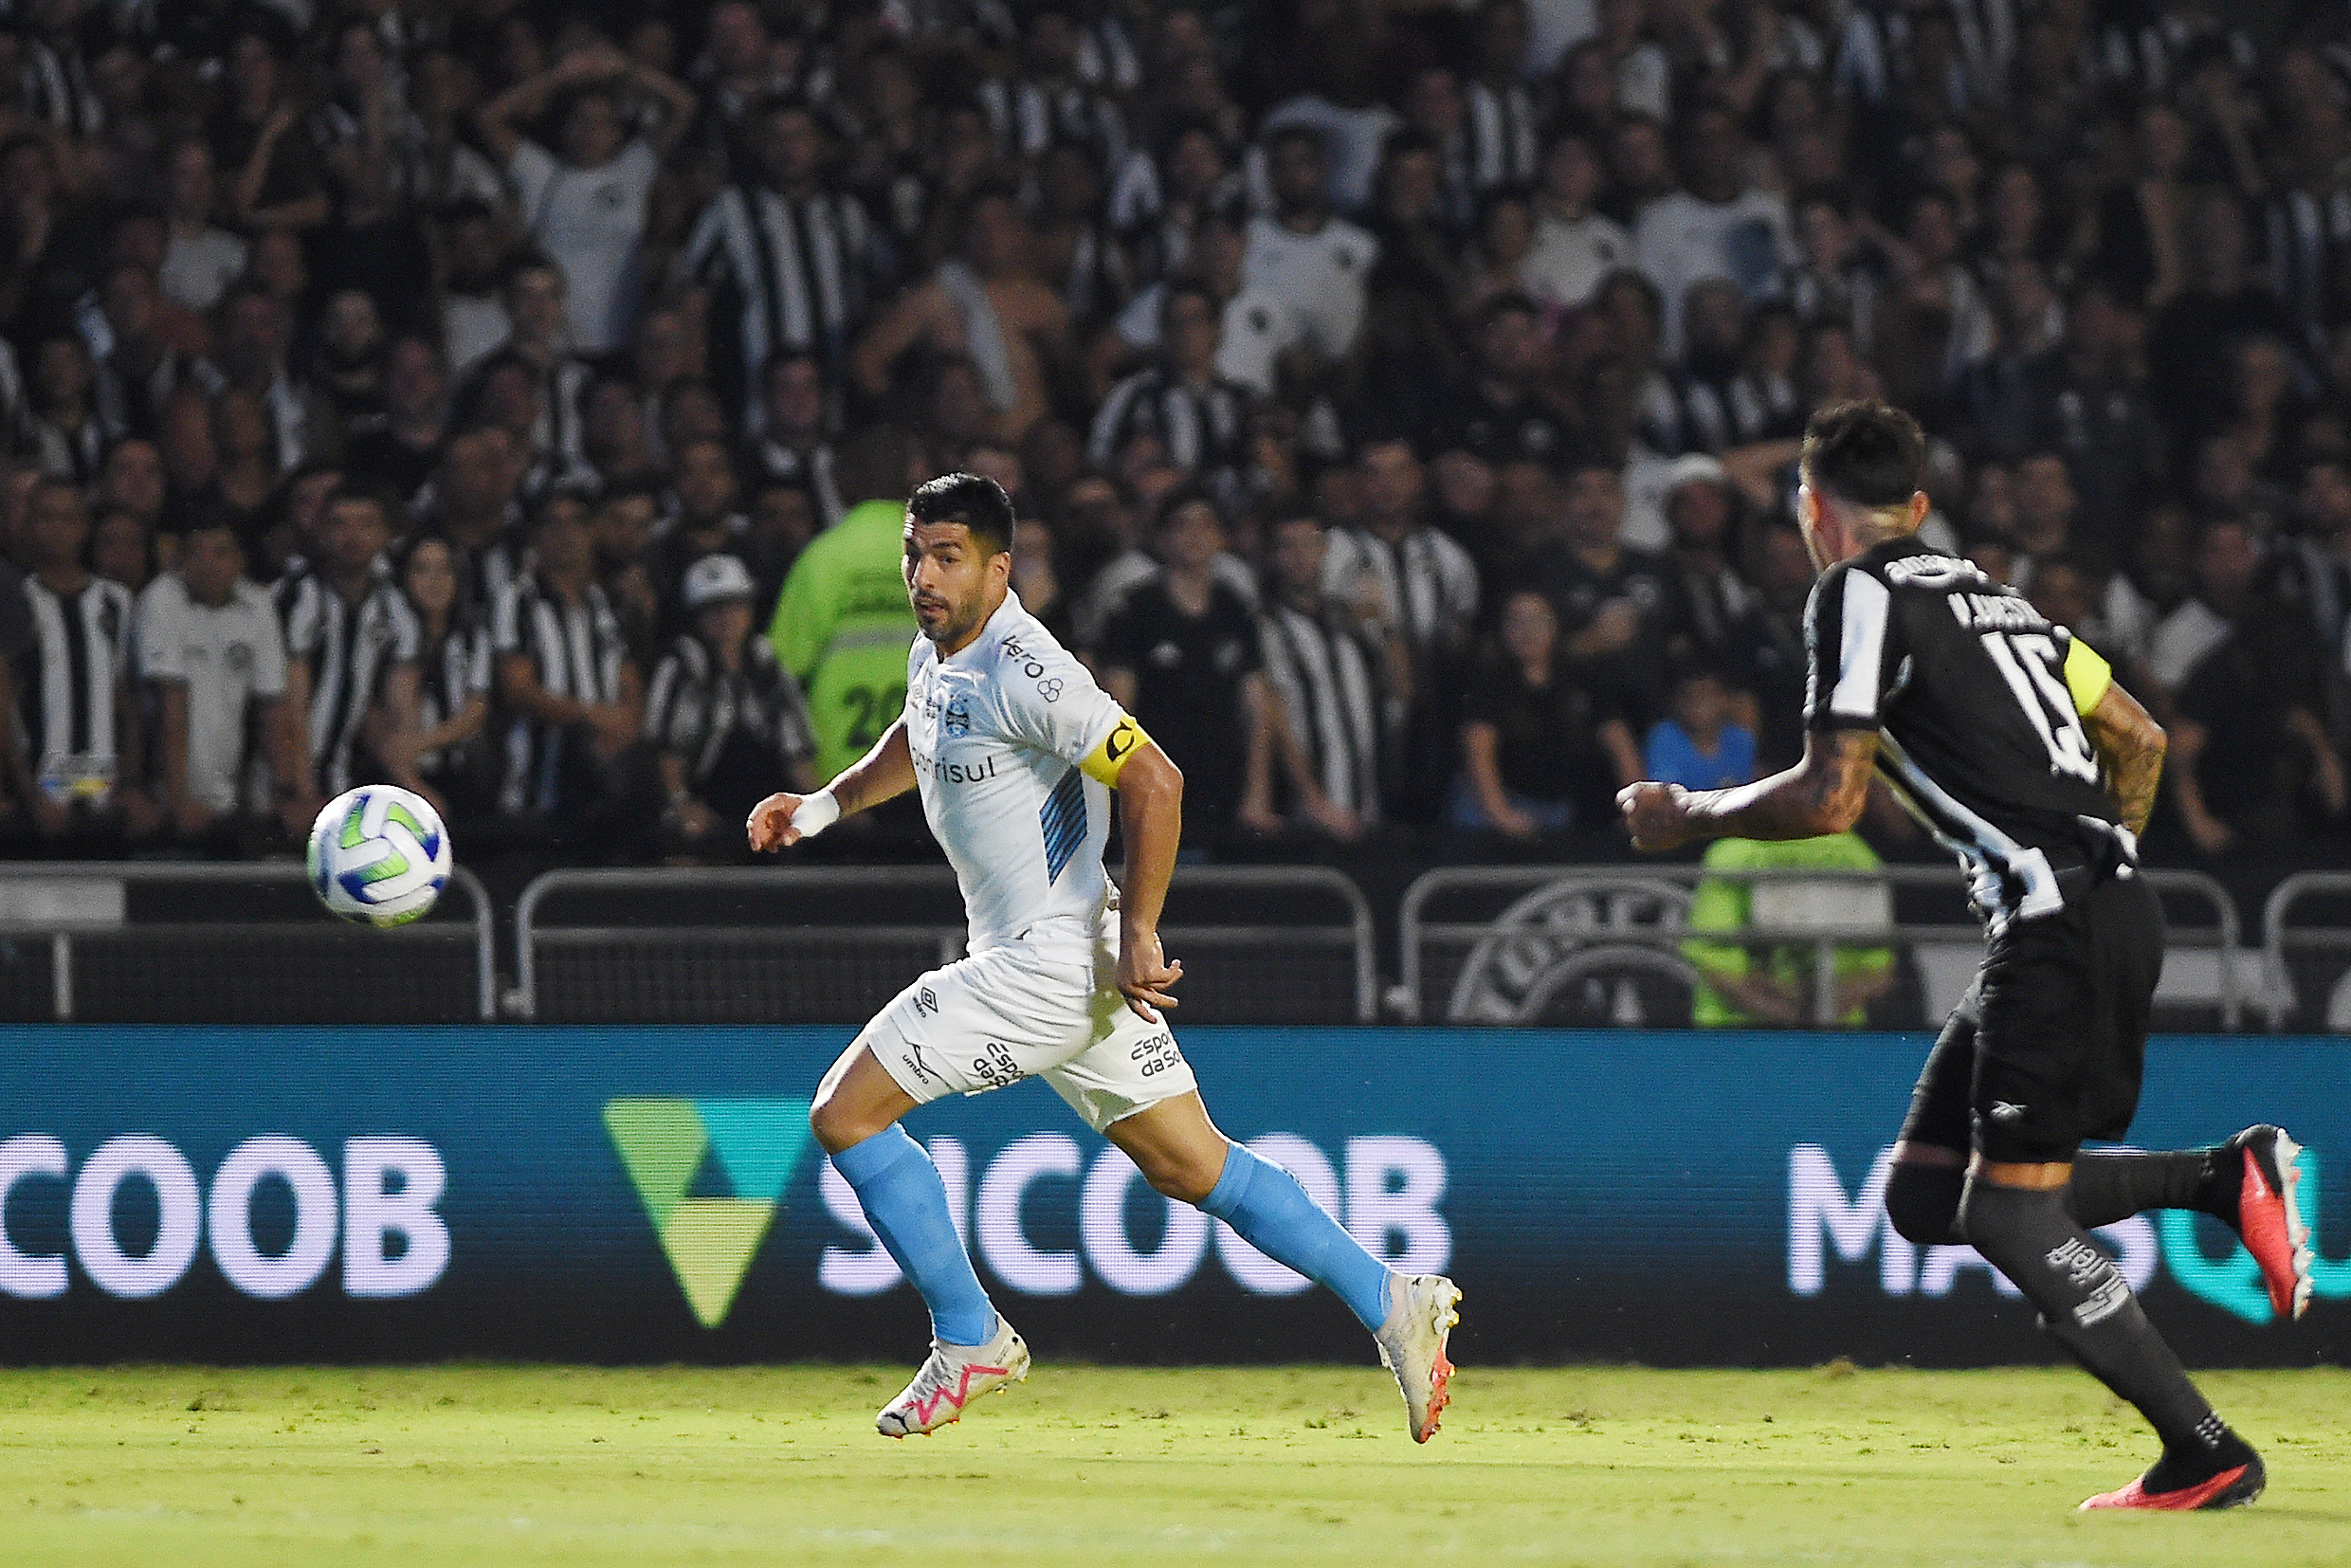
point(513, 401)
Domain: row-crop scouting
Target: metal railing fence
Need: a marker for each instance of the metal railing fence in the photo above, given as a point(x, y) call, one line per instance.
point(178, 942)
point(836, 943)
point(2286, 949)
point(1563, 912)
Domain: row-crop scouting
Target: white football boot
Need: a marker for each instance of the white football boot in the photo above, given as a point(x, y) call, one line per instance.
point(1422, 1311)
point(952, 1378)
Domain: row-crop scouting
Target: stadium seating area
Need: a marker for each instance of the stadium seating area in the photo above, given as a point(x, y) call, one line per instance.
point(1403, 395)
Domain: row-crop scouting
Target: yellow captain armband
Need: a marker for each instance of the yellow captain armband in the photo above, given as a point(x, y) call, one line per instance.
point(2088, 676)
point(1107, 761)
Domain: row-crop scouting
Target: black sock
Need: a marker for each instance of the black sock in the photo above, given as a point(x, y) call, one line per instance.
point(2109, 1185)
point(2112, 1184)
point(2088, 1307)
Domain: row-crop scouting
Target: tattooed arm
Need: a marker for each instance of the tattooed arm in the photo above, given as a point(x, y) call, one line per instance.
point(2130, 746)
point(1823, 793)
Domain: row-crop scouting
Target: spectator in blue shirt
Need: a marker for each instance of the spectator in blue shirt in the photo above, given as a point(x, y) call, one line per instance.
point(1697, 745)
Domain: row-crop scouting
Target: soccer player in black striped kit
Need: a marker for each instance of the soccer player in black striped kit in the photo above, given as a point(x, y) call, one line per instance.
point(2010, 741)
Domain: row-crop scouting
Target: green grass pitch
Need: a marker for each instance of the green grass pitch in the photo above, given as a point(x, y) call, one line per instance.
point(518, 1466)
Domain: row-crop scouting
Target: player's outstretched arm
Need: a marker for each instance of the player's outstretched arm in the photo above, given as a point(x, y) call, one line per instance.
point(1151, 815)
point(883, 773)
point(1823, 793)
point(2130, 747)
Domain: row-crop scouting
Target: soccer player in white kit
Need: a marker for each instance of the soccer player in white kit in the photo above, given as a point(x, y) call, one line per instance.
point(1016, 753)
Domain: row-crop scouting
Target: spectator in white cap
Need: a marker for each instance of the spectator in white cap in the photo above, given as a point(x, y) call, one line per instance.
point(1701, 525)
point(727, 720)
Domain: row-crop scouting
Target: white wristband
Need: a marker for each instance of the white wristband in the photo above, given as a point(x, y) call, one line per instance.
point(817, 813)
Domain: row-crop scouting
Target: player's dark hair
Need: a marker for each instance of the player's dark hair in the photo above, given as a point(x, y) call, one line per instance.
point(1869, 454)
point(975, 500)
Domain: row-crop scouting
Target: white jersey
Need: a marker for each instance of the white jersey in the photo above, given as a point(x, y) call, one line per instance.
point(1321, 275)
point(998, 732)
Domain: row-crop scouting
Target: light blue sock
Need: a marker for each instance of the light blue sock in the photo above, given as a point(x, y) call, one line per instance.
point(906, 1204)
point(1266, 1208)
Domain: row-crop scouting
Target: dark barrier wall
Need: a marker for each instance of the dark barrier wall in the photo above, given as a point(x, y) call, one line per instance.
point(652, 1195)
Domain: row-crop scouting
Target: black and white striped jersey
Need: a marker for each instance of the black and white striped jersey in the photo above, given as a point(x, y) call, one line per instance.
point(348, 650)
point(1499, 133)
point(66, 682)
point(452, 674)
point(577, 650)
point(695, 705)
point(814, 469)
point(1203, 429)
point(1974, 698)
point(796, 273)
point(1331, 701)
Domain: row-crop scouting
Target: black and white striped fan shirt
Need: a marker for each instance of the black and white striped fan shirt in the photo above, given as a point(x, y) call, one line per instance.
point(2304, 234)
point(1427, 580)
point(450, 678)
point(1323, 674)
point(801, 268)
point(577, 650)
point(695, 705)
point(1028, 117)
point(66, 683)
point(813, 470)
point(1498, 135)
point(1204, 431)
point(560, 437)
point(348, 650)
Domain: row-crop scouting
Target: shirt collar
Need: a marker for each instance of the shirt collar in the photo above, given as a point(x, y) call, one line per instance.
point(998, 625)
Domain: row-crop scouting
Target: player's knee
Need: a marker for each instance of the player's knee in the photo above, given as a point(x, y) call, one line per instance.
point(837, 1124)
point(1923, 1203)
point(1183, 1175)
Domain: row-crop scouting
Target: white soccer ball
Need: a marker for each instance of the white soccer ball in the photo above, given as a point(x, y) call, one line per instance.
point(378, 855)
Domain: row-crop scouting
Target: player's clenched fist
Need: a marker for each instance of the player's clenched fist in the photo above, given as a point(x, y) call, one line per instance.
point(1657, 816)
point(771, 825)
point(781, 821)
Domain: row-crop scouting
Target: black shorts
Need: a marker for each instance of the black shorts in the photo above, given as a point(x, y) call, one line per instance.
point(2048, 1047)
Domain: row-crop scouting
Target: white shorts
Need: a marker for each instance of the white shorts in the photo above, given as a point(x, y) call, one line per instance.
point(1017, 1012)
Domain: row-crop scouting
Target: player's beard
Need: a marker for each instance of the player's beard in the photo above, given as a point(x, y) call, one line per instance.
point(955, 623)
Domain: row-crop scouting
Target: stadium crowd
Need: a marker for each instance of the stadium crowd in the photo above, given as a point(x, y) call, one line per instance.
point(511, 401)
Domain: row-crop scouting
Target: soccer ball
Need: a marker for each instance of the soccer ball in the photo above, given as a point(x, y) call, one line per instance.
point(378, 855)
